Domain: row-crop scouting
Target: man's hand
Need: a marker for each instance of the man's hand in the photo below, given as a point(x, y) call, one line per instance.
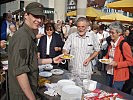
point(58, 59)
point(86, 62)
point(92, 56)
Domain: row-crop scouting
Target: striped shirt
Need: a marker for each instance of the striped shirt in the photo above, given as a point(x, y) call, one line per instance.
point(81, 48)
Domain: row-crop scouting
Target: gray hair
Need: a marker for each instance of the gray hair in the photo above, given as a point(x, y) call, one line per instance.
point(82, 19)
point(117, 26)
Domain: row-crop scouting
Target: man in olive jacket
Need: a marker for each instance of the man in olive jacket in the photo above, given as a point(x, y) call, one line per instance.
point(23, 63)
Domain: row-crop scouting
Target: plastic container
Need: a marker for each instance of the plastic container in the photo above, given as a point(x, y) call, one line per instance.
point(62, 83)
point(89, 84)
point(71, 92)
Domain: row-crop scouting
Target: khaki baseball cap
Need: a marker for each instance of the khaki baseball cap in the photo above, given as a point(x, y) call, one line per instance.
point(35, 8)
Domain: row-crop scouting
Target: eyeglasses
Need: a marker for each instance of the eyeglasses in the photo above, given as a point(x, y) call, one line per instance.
point(111, 32)
point(49, 29)
point(81, 26)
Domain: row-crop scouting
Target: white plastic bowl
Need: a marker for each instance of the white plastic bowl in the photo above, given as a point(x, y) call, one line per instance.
point(71, 92)
point(92, 85)
point(62, 83)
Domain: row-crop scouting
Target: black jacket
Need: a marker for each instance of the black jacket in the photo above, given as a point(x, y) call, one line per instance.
point(55, 42)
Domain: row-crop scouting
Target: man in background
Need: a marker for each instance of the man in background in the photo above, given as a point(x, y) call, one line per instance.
point(5, 26)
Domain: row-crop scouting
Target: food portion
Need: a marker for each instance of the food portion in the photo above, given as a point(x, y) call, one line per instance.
point(105, 61)
point(42, 81)
point(67, 56)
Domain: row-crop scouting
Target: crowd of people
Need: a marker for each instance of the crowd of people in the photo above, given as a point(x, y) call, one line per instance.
point(40, 40)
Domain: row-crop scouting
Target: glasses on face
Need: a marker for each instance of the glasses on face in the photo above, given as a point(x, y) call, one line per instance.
point(81, 26)
point(112, 32)
point(49, 29)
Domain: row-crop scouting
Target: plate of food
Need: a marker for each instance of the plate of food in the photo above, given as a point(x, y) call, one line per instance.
point(67, 56)
point(105, 61)
point(42, 81)
point(45, 74)
point(57, 71)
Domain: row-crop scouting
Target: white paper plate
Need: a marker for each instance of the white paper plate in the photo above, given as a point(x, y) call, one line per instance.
point(57, 71)
point(105, 61)
point(45, 74)
point(5, 62)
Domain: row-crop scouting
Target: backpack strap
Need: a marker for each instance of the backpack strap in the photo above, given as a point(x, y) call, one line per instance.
point(121, 44)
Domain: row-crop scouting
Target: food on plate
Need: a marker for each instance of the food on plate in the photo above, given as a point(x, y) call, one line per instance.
point(67, 56)
point(42, 81)
point(105, 60)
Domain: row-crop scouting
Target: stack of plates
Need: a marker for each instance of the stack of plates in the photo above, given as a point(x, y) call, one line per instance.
point(45, 74)
point(62, 83)
point(45, 67)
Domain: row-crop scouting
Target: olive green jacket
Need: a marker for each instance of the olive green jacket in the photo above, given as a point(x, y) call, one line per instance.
point(22, 57)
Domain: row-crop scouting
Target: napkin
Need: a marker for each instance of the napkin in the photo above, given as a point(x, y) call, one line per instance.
point(51, 89)
point(51, 92)
point(5, 67)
